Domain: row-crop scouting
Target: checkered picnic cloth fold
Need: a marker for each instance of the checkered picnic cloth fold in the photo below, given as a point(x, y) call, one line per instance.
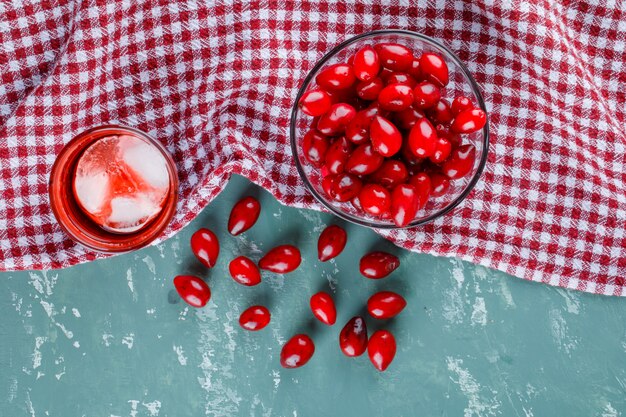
point(214, 81)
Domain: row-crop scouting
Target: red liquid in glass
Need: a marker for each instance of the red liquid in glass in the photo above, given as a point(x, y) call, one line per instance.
point(113, 189)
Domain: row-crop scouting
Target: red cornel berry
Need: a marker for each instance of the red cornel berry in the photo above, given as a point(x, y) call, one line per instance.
point(404, 204)
point(395, 97)
point(421, 182)
point(315, 102)
point(442, 151)
point(385, 304)
point(426, 95)
point(314, 147)
point(353, 337)
point(439, 184)
point(323, 308)
point(369, 90)
point(297, 351)
point(255, 318)
point(394, 56)
point(469, 121)
point(407, 118)
point(375, 199)
point(401, 78)
point(244, 271)
point(460, 163)
point(376, 265)
point(337, 155)
point(336, 77)
point(461, 103)
point(335, 120)
point(391, 173)
point(422, 139)
point(358, 130)
point(366, 64)
point(331, 242)
point(434, 69)
point(441, 113)
point(381, 349)
point(327, 184)
point(243, 215)
point(193, 290)
point(281, 259)
point(386, 138)
point(345, 187)
point(364, 160)
point(206, 247)
point(414, 69)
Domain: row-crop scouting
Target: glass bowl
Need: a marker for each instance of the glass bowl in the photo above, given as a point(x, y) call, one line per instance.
point(461, 83)
point(76, 224)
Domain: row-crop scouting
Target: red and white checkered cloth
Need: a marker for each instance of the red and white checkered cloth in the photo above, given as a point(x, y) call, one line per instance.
point(215, 81)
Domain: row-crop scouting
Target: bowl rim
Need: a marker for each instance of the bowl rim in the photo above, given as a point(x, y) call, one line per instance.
point(475, 88)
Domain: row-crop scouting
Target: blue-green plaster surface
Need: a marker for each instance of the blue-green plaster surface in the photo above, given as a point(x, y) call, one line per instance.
point(111, 338)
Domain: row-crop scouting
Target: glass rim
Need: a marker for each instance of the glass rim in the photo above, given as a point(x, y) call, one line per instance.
point(75, 227)
point(475, 89)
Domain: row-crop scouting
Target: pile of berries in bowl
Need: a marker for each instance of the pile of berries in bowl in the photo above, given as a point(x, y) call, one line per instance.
point(390, 130)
